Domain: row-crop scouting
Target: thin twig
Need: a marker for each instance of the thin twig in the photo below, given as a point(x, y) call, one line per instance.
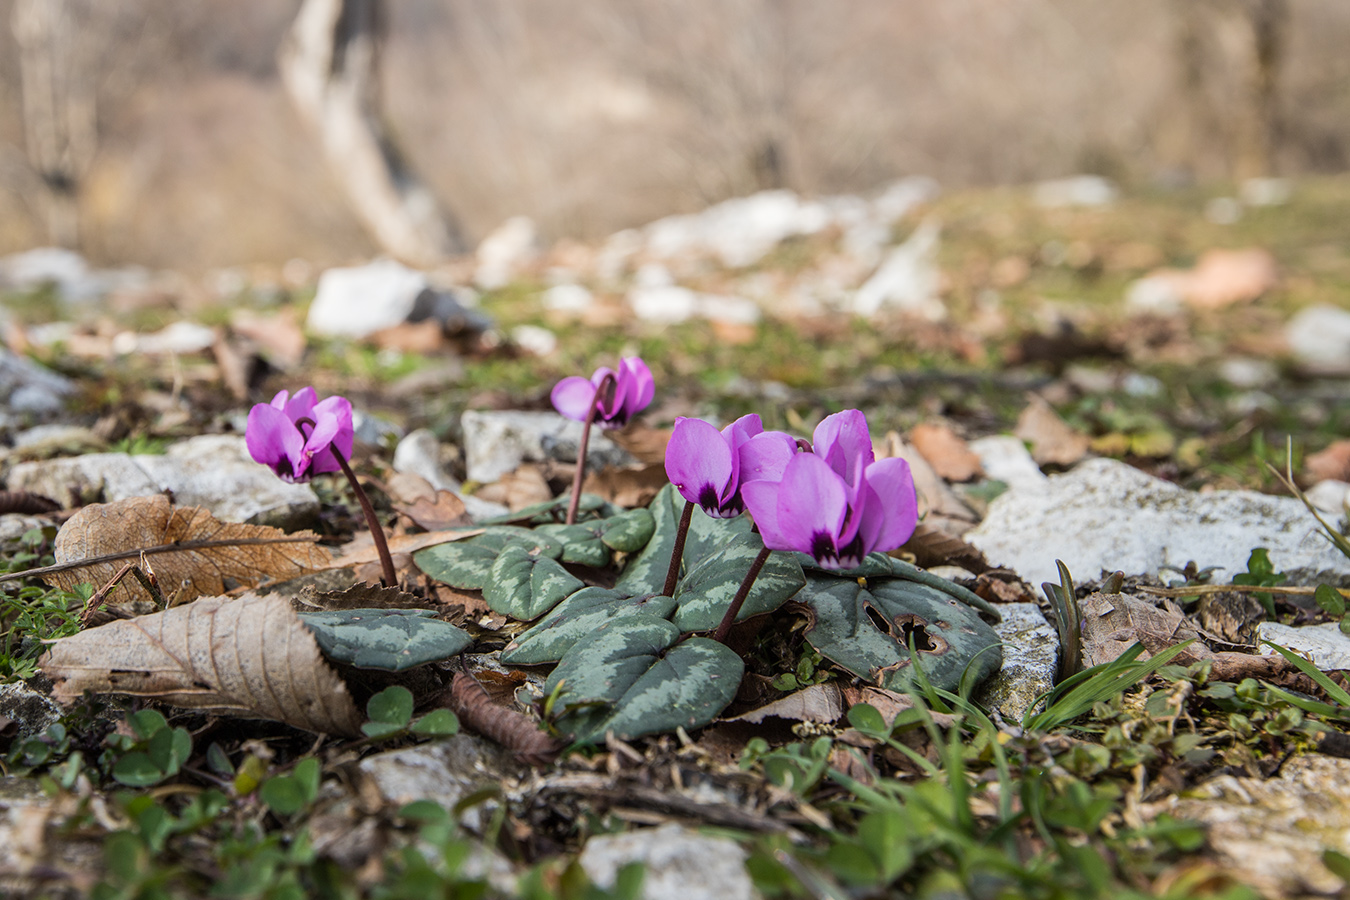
point(161, 548)
point(101, 595)
point(1198, 589)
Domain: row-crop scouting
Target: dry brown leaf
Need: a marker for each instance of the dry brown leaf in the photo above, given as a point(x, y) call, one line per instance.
point(1333, 463)
point(821, 703)
point(239, 554)
point(938, 504)
point(361, 549)
point(279, 335)
point(933, 546)
point(1112, 623)
point(648, 445)
point(428, 508)
point(1052, 441)
point(949, 455)
point(524, 487)
point(250, 656)
point(366, 595)
point(627, 487)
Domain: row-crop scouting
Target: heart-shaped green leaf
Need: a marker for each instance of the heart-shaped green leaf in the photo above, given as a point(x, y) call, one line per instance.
point(705, 593)
point(646, 573)
point(525, 586)
point(590, 506)
point(582, 545)
point(629, 531)
point(576, 618)
point(388, 639)
point(630, 677)
point(467, 564)
point(865, 626)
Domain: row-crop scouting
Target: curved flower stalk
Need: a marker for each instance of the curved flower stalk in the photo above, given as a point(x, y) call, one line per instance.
point(839, 503)
point(708, 467)
point(609, 399)
point(300, 436)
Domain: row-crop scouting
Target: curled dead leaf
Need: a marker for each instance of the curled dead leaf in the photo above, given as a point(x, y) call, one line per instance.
point(208, 556)
point(250, 656)
point(1053, 441)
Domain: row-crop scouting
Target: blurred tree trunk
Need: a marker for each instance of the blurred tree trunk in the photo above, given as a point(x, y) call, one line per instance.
point(330, 65)
point(60, 128)
point(1269, 22)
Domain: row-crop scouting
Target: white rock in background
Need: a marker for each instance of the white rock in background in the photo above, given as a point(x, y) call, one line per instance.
point(1030, 659)
point(498, 442)
point(502, 253)
point(1326, 645)
point(1266, 191)
point(68, 273)
point(358, 301)
point(1105, 515)
point(1161, 294)
point(907, 281)
point(667, 305)
point(73, 480)
point(1079, 190)
point(1005, 458)
point(1330, 496)
point(179, 337)
point(29, 388)
point(1248, 372)
point(534, 339)
point(899, 198)
point(739, 231)
point(568, 298)
point(1319, 338)
point(420, 454)
point(443, 772)
point(681, 864)
point(733, 310)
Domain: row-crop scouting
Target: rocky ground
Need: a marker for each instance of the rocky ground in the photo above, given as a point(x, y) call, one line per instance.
point(1073, 375)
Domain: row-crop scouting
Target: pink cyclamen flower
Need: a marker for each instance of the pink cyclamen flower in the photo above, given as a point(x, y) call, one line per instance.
point(633, 389)
point(297, 437)
point(708, 466)
point(839, 503)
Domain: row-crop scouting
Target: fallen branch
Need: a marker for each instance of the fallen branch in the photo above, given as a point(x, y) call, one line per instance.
point(162, 548)
point(1201, 589)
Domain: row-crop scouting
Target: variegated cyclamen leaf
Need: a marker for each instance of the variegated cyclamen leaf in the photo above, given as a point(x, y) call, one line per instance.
point(577, 618)
point(628, 679)
point(525, 586)
point(590, 506)
point(865, 626)
point(705, 593)
point(387, 639)
point(629, 531)
point(581, 543)
point(467, 564)
point(646, 573)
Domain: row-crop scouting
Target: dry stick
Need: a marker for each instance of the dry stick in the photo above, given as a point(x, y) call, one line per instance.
point(101, 595)
point(376, 532)
point(175, 547)
point(607, 383)
point(673, 573)
point(1198, 589)
point(741, 593)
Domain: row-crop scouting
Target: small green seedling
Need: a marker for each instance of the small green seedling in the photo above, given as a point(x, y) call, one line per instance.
point(390, 713)
point(1261, 573)
point(156, 752)
point(289, 794)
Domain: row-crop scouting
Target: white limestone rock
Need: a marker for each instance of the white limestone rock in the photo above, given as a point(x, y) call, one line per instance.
point(498, 442)
point(358, 301)
point(681, 864)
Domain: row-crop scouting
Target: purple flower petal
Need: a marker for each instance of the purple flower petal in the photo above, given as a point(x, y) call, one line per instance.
point(333, 432)
point(701, 465)
point(273, 440)
point(761, 501)
point(812, 507)
point(573, 396)
point(893, 485)
point(765, 456)
point(844, 442)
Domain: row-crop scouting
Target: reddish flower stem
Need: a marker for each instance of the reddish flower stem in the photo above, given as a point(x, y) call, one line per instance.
point(673, 573)
point(607, 383)
point(720, 635)
point(376, 532)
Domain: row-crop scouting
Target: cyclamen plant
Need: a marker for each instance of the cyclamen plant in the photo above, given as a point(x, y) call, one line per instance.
point(609, 399)
point(300, 436)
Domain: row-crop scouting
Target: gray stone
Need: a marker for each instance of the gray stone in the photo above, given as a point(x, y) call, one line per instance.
point(217, 472)
point(419, 453)
point(1105, 515)
point(30, 389)
point(739, 231)
point(75, 480)
point(1319, 338)
point(443, 772)
point(681, 864)
point(534, 339)
point(505, 251)
point(31, 711)
point(179, 337)
point(1030, 658)
point(372, 429)
point(498, 442)
point(1005, 458)
point(1266, 191)
point(356, 302)
point(1330, 496)
point(907, 281)
point(1326, 645)
point(568, 298)
point(1248, 372)
point(1078, 190)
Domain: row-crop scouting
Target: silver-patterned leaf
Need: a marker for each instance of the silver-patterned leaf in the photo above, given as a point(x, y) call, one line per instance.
point(630, 677)
point(705, 593)
point(646, 573)
point(576, 618)
point(468, 564)
point(524, 585)
point(865, 626)
point(388, 639)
